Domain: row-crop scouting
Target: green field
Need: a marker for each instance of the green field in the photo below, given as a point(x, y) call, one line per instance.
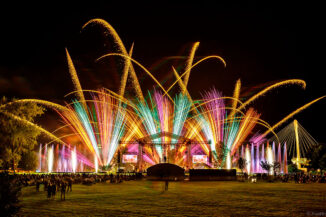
point(146, 198)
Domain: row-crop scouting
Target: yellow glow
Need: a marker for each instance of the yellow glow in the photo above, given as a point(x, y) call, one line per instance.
point(224, 97)
point(141, 66)
point(297, 143)
point(182, 86)
point(245, 128)
point(292, 114)
point(236, 94)
point(125, 73)
point(37, 101)
point(95, 164)
point(199, 61)
point(75, 80)
point(248, 160)
point(123, 50)
point(189, 62)
point(261, 93)
point(228, 161)
point(28, 123)
point(270, 159)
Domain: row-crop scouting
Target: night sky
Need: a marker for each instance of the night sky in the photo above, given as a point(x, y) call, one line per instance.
point(261, 44)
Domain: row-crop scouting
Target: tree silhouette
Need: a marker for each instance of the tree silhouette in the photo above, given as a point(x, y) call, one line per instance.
point(15, 137)
point(241, 163)
point(266, 166)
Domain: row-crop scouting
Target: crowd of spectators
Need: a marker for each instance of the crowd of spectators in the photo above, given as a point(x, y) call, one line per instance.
point(295, 177)
point(63, 182)
point(309, 178)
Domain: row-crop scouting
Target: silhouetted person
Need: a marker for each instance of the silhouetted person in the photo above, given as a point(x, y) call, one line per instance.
point(69, 184)
point(166, 184)
point(58, 184)
point(53, 189)
point(296, 179)
point(245, 176)
point(49, 190)
point(63, 190)
point(45, 183)
point(37, 185)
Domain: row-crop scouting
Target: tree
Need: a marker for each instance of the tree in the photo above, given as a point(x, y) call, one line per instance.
point(28, 160)
point(276, 167)
point(241, 163)
point(266, 166)
point(17, 138)
point(322, 162)
point(292, 168)
point(317, 156)
point(10, 191)
point(221, 152)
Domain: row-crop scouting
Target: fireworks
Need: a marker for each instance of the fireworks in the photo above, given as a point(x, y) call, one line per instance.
point(158, 128)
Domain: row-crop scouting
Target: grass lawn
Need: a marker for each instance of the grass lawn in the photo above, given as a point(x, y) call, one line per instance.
point(146, 198)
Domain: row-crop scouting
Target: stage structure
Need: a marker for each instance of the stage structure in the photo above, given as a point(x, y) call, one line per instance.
point(166, 141)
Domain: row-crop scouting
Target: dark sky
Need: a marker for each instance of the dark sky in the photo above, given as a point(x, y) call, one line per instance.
point(261, 44)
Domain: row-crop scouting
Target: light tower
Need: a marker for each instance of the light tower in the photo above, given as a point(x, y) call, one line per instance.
point(295, 122)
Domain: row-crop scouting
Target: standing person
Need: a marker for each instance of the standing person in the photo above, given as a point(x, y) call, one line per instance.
point(117, 178)
point(166, 184)
point(69, 184)
point(58, 184)
point(111, 178)
point(63, 190)
point(37, 185)
point(45, 183)
point(49, 189)
point(246, 176)
point(53, 190)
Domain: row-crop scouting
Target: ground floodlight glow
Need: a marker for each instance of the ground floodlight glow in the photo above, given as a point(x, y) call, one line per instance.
point(248, 160)
point(50, 159)
point(270, 159)
point(228, 161)
point(96, 164)
point(74, 159)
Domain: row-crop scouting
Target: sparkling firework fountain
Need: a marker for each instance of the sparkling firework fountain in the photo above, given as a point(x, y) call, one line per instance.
point(248, 160)
point(228, 161)
point(40, 159)
point(50, 159)
point(73, 160)
point(270, 159)
point(95, 164)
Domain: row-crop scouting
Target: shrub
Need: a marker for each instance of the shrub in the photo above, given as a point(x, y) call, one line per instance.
point(10, 191)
